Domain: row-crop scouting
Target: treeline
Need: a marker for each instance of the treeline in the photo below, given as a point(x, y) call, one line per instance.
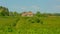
point(5, 12)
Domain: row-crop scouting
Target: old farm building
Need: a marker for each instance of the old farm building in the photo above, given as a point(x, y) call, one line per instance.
point(30, 14)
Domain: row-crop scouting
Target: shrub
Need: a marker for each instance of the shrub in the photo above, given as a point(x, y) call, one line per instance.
point(10, 29)
point(38, 20)
point(34, 20)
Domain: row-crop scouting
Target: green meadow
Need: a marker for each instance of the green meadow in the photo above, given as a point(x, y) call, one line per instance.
point(29, 25)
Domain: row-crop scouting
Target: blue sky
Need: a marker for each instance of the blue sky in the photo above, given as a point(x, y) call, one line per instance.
point(44, 6)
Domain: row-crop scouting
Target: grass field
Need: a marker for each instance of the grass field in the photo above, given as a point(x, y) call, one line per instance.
point(26, 25)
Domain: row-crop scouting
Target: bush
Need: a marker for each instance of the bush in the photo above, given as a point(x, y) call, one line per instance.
point(38, 20)
point(31, 20)
point(35, 20)
point(10, 30)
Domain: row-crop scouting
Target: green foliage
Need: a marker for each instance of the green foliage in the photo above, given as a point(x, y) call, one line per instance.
point(15, 24)
point(56, 14)
point(29, 25)
point(34, 20)
point(4, 11)
point(25, 27)
point(15, 13)
point(11, 14)
point(38, 14)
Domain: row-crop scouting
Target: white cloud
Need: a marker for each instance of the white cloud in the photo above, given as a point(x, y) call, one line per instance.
point(58, 6)
point(23, 8)
point(36, 7)
point(54, 9)
point(30, 8)
point(27, 8)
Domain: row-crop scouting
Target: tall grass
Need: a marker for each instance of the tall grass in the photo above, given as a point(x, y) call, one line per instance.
point(29, 25)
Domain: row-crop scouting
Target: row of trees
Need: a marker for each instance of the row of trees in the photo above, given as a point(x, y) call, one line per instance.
point(5, 12)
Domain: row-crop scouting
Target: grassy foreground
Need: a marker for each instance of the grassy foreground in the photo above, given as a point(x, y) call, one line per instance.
point(32, 25)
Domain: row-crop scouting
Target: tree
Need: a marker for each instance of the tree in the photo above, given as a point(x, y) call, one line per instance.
point(15, 13)
point(4, 11)
point(56, 14)
point(38, 14)
point(11, 13)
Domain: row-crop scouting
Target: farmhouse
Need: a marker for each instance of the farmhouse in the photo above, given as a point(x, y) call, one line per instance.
point(27, 14)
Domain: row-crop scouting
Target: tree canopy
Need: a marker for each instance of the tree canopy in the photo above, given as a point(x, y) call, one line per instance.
point(4, 11)
point(38, 14)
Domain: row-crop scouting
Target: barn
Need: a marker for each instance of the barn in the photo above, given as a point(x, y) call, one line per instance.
point(29, 14)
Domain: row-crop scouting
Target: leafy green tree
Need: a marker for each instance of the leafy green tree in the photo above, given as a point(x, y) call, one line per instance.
point(38, 14)
point(4, 11)
point(15, 13)
point(56, 14)
point(11, 13)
